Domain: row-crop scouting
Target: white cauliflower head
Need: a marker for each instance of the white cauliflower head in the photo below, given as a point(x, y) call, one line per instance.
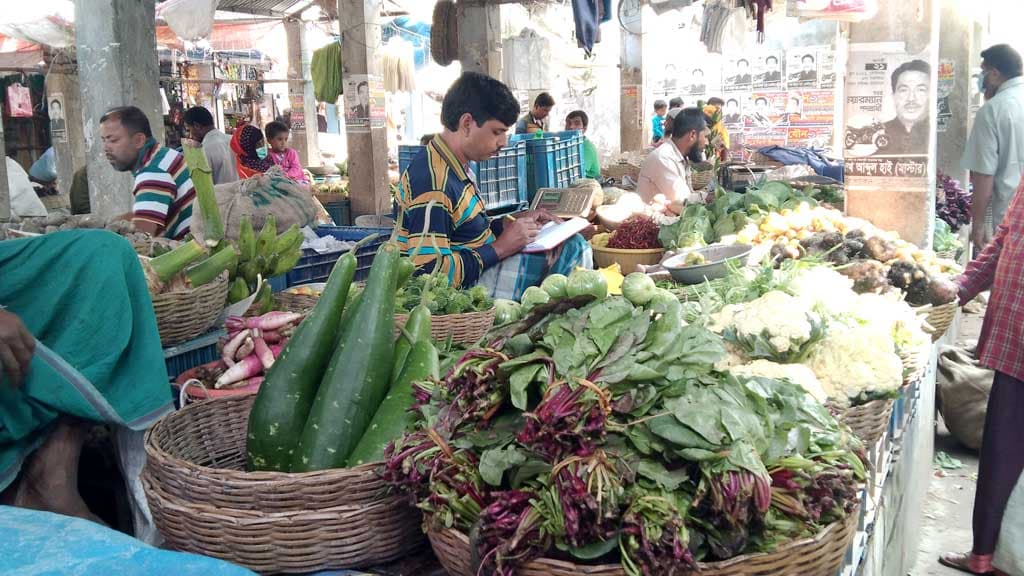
point(855, 359)
point(777, 325)
point(890, 312)
point(796, 373)
point(828, 291)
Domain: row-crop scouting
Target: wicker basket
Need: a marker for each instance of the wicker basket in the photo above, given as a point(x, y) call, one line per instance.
point(300, 303)
point(868, 421)
point(947, 255)
point(628, 260)
point(914, 364)
point(466, 328)
point(939, 318)
point(183, 315)
point(700, 176)
point(203, 501)
point(821, 555)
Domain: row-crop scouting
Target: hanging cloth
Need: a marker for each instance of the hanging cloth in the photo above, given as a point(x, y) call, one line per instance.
point(606, 11)
point(587, 15)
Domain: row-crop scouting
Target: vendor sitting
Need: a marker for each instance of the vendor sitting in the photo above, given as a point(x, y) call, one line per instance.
point(476, 113)
point(665, 169)
point(163, 189)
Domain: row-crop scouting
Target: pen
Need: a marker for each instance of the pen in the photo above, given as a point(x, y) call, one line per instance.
point(510, 218)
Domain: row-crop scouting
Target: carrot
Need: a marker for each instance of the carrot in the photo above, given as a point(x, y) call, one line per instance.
point(248, 367)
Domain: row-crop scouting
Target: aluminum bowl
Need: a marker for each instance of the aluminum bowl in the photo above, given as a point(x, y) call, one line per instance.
point(717, 258)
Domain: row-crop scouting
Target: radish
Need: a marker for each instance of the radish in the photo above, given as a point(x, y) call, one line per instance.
point(263, 352)
point(249, 382)
point(270, 321)
point(245, 349)
point(231, 348)
point(247, 367)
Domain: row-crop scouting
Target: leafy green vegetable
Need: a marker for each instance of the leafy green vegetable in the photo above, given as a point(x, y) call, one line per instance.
point(495, 461)
point(440, 298)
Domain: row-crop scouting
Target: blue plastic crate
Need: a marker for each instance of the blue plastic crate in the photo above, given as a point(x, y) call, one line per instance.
point(501, 180)
point(195, 352)
point(554, 159)
point(278, 283)
point(316, 267)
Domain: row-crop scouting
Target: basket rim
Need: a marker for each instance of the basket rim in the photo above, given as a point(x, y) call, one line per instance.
point(458, 315)
point(822, 534)
point(154, 451)
point(627, 250)
point(209, 286)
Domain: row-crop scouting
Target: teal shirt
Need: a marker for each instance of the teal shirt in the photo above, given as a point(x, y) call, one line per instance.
point(658, 127)
point(591, 163)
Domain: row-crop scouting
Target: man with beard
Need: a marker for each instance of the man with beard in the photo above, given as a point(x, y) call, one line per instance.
point(664, 170)
point(908, 131)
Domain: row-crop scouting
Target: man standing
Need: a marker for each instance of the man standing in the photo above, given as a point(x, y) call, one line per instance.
point(163, 190)
point(578, 120)
point(536, 120)
point(995, 149)
point(216, 144)
point(1000, 267)
point(664, 169)
point(908, 132)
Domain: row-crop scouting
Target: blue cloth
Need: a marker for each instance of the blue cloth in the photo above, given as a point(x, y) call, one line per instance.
point(513, 275)
point(587, 15)
point(45, 169)
point(38, 543)
point(818, 162)
point(606, 15)
point(657, 127)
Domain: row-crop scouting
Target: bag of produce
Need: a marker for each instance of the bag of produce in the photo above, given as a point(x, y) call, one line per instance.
point(260, 196)
point(964, 387)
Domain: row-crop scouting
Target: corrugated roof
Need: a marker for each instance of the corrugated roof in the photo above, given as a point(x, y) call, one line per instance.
point(265, 7)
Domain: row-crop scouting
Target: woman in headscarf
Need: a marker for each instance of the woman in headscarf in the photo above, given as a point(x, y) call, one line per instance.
point(248, 146)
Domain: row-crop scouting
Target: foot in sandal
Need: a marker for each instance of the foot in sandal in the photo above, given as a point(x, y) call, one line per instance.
point(969, 563)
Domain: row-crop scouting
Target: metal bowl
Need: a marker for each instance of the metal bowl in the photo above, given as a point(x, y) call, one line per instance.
point(715, 267)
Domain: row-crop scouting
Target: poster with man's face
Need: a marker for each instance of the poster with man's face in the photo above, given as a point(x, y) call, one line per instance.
point(768, 71)
point(802, 68)
point(737, 74)
point(732, 113)
point(364, 103)
point(58, 123)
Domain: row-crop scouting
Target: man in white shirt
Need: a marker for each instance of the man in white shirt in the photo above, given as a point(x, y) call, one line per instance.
point(664, 170)
point(216, 144)
point(995, 150)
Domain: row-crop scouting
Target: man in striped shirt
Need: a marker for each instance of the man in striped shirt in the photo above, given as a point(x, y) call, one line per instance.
point(163, 192)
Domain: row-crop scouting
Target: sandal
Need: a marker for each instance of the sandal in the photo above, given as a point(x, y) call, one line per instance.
point(969, 563)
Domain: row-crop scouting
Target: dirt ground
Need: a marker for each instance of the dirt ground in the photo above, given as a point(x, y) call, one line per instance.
point(946, 522)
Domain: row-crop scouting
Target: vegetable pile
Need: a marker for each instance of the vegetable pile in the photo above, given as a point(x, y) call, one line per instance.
point(953, 204)
point(440, 298)
point(599, 429)
point(638, 232)
point(263, 256)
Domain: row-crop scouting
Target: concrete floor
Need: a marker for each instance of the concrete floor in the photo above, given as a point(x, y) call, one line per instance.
point(946, 522)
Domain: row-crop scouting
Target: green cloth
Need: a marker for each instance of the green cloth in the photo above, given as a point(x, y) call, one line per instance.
point(591, 163)
point(83, 295)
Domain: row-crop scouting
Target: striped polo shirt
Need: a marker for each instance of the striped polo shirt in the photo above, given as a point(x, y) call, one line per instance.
point(163, 190)
point(459, 232)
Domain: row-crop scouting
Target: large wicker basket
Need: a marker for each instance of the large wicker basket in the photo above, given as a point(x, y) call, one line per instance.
point(203, 501)
point(700, 176)
point(466, 328)
point(868, 421)
point(183, 315)
point(626, 259)
point(939, 318)
point(818, 556)
point(300, 303)
point(915, 362)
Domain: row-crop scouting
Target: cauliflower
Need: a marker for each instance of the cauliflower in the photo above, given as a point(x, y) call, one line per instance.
point(734, 356)
point(776, 326)
point(855, 360)
point(828, 291)
point(894, 315)
point(795, 373)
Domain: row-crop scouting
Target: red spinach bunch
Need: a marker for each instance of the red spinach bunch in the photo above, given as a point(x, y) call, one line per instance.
point(654, 539)
point(952, 202)
point(814, 492)
point(638, 232)
point(511, 532)
point(730, 506)
point(570, 420)
point(474, 388)
point(590, 493)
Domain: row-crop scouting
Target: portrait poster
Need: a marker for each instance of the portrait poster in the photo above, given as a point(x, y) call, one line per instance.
point(58, 121)
point(768, 70)
point(802, 67)
point(364, 103)
point(737, 74)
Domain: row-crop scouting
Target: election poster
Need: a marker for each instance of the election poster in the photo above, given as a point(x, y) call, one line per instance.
point(947, 77)
point(768, 71)
point(737, 74)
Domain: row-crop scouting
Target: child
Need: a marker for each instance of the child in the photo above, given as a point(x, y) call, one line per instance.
point(283, 156)
point(658, 121)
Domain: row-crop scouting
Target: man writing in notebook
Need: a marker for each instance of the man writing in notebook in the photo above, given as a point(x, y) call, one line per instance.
point(443, 214)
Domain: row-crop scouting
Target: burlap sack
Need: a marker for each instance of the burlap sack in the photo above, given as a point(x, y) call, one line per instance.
point(964, 387)
point(270, 193)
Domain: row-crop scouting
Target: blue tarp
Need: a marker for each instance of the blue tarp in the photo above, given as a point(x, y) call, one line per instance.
point(818, 162)
point(42, 543)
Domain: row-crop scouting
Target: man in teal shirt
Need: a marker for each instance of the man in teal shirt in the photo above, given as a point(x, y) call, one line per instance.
point(658, 122)
point(578, 120)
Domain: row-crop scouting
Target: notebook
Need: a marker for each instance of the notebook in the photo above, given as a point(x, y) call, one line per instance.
point(551, 235)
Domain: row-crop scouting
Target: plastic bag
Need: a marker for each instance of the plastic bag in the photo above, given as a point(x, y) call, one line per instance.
point(19, 101)
point(189, 19)
point(24, 201)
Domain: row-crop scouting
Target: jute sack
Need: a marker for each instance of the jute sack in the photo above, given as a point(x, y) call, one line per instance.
point(964, 387)
point(263, 194)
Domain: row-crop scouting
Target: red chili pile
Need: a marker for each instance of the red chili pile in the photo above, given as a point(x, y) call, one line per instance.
point(638, 232)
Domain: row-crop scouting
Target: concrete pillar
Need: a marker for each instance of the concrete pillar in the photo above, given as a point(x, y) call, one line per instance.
point(68, 146)
point(631, 106)
point(5, 188)
point(956, 48)
point(909, 207)
point(300, 94)
point(367, 145)
point(117, 63)
point(479, 36)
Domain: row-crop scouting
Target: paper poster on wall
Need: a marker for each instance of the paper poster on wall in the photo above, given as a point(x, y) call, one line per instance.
point(58, 123)
point(756, 138)
point(887, 106)
point(732, 114)
point(297, 114)
point(364, 103)
point(736, 74)
point(947, 78)
point(826, 69)
point(668, 82)
point(697, 82)
point(764, 109)
point(802, 68)
point(842, 10)
point(809, 136)
point(811, 107)
point(768, 71)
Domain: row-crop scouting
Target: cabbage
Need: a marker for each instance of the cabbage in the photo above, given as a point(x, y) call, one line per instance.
point(506, 311)
point(534, 296)
point(587, 282)
point(555, 285)
point(638, 288)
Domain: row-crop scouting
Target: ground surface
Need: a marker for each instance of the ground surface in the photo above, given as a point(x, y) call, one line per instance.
point(946, 522)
